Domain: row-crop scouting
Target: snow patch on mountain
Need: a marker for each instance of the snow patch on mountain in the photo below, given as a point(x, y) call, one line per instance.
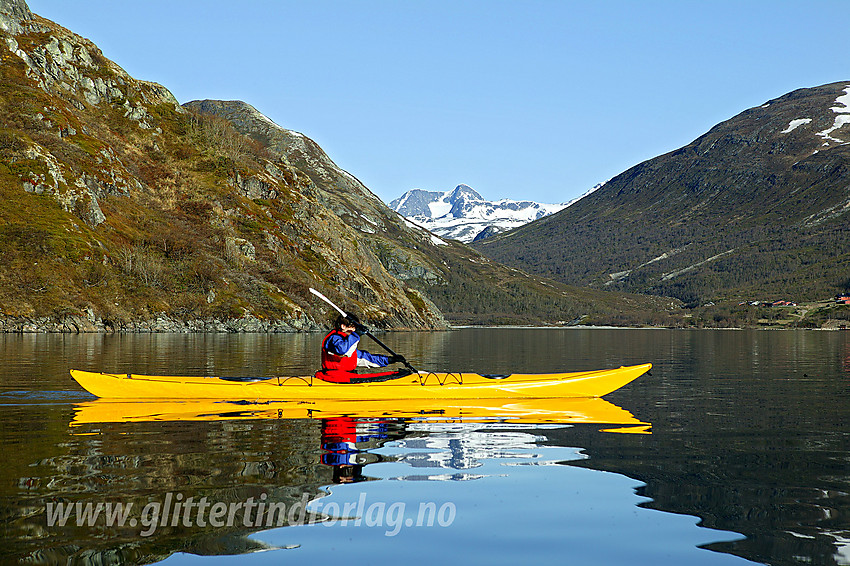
point(463, 214)
point(842, 119)
point(794, 124)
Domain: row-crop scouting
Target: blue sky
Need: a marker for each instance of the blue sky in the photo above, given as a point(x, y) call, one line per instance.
point(526, 99)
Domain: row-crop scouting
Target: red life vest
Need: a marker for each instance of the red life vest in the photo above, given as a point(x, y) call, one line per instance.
point(341, 369)
point(336, 368)
point(339, 430)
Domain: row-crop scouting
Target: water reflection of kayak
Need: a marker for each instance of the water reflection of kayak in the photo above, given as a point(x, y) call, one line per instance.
point(421, 385)
point(586, 410)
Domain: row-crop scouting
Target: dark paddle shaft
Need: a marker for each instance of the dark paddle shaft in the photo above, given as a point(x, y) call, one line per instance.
point(365, 330)
point(385, 347)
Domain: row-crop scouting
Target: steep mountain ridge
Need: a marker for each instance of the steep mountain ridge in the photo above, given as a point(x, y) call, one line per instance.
point(335, 188)
point(463, 214)
point(758, 206)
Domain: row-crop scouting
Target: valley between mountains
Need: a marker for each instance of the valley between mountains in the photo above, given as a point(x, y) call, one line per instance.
point(125, 210)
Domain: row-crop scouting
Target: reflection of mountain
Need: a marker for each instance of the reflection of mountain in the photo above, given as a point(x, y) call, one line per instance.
point(141, 454)
point(789, 501)
point(159, 463)
point(778, 475)
point(230, 462)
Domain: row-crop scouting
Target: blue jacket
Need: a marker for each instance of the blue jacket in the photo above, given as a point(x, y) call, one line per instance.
point(345, 345)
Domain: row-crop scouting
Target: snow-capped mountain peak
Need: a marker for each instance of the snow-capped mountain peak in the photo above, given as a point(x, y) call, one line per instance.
point(463, 214)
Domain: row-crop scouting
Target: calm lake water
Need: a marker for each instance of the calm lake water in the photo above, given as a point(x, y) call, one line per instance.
point(748, 460)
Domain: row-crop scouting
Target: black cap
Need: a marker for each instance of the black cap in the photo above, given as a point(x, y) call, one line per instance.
point(348, 320)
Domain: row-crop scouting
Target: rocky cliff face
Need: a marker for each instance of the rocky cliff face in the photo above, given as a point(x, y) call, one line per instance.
point(756, 207)
point(15, 16)
point(72, 69)
point(125, 211)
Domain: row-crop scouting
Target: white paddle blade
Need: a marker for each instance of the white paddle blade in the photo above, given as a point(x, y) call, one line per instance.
point(328, 301)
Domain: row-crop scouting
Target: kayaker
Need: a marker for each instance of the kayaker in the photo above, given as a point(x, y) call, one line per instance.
point(340, 355)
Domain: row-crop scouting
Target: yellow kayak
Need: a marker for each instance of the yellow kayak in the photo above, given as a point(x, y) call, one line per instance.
point(421, 385)
point(587, 410)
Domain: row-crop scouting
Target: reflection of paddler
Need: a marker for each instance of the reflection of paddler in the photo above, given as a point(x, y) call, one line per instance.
point(340, 437)
point(339, 442)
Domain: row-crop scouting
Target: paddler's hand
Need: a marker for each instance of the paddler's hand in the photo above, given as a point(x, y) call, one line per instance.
point(360, 329)
point(397, 359)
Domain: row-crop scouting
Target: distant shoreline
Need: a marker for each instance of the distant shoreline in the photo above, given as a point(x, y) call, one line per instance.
point(75, 324)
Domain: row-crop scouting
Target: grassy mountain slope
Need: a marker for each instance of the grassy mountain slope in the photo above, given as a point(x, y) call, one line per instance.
point(755, 208)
